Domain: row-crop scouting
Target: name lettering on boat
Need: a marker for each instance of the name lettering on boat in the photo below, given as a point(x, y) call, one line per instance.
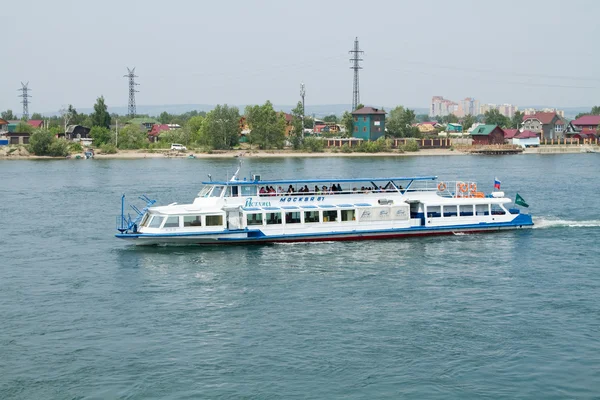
point(250, 203)
point(295, 199)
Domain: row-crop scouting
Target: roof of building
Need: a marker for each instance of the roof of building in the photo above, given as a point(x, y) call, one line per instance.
point(484, 130)
point(71, 128)
point(526, 135)
point(158, 128)
point(454, 124)
point(3, 121)
point(36, 123)
point(587, 120)
point(142, 120)
point(368, 110)
point(543, 117)
point(510, 133)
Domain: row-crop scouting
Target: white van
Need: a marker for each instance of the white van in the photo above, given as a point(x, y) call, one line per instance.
point(177, 146)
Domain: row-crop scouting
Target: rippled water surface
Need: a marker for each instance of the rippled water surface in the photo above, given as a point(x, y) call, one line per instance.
point(503, 315)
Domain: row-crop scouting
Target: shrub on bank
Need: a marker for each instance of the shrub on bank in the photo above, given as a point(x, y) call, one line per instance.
point(410, 145)
point(313, 145)
point(75, 147)
point(108, 148)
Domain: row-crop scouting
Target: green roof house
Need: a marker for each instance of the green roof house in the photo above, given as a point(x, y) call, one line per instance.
point(487, 134)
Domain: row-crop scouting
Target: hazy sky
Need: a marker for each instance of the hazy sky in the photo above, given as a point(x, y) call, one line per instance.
point(245, 52)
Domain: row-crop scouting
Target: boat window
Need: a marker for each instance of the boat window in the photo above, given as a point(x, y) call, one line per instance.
point(214, 220)
point(216, 192)
point(156, 221)
point(497, 210)
point(145, 219)
point(348, 215)
point(434, 211)
point(450, 211)
point(292, 217)
point(466, 211)
point(192, 220)
point(330, 216)
point(205, 191)
point(254, 219)
point(231, 191)
point(172, 222)
point(311, 216)
point(273, 218)
point(248, 190)
point(482, 209)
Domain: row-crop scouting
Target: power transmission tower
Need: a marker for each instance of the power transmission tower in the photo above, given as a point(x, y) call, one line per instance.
point(25, 95)
point(302, 93)
point(356, 52)
point(132, 84)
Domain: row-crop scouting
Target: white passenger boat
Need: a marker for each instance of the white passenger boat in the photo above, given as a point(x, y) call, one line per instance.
point(297, 210)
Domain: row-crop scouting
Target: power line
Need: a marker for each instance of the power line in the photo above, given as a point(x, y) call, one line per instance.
point(25, 95)
point(356, 52)
point(132, 84)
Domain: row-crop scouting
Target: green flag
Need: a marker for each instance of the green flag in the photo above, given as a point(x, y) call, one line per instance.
point(520, 201)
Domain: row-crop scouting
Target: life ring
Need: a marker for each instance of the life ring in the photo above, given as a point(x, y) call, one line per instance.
point(463, 187)
point(472, 187)
point(441, 186)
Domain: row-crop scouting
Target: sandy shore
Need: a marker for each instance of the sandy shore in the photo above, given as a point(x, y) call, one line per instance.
point(138, 154)
point(124, 154)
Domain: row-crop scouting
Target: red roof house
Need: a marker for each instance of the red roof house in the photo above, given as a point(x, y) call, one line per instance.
point(588, 124)
point(36, 123)
point(156, 130)
point(510, 133)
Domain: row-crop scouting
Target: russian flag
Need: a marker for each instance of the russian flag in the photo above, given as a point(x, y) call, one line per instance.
point(496, 184)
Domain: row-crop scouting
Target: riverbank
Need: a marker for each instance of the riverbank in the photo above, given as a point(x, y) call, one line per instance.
point(21, 153)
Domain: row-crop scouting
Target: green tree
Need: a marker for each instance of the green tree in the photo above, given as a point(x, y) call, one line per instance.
point(24, 127)
point(40, 141)
point(221, 127)
point(37, 116)
point(450, 119)
point(359, 106)
point(516, 120)
point(8, 115)
point(348, 123)
point(493, 117)
point(100, 116)
point(132, 136)
point(165, 118)
point(58, 148)
point(468, 121)
point(331, 118)
point(194, 126)
point(267, 127)
point(399, 122)
point(101, 135)
point(308, 122)
point(297, 127)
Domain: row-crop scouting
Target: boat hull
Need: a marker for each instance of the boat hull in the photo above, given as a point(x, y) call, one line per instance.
point(257, 237)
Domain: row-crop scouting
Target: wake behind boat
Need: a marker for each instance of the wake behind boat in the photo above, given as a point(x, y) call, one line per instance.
point(299, 210)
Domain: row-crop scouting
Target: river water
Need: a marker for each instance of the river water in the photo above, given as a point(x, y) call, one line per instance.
point(503, 315)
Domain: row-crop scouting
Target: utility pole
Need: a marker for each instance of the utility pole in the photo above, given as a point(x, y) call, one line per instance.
point(302, 93)
point(25, 95)
point(356, 52)
point(117, 133)
point(132, 84)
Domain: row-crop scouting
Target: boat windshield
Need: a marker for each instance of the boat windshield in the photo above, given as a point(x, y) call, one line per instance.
point(216, 192)
point(205, 191)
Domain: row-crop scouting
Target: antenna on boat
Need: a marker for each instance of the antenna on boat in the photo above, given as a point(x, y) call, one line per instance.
point(237, 171)
point(210, 177)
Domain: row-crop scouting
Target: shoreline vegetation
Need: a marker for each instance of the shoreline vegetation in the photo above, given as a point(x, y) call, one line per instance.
point(21, 153)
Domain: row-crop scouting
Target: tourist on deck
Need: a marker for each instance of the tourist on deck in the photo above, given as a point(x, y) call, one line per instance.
point(317, 191)
point(262, 191)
